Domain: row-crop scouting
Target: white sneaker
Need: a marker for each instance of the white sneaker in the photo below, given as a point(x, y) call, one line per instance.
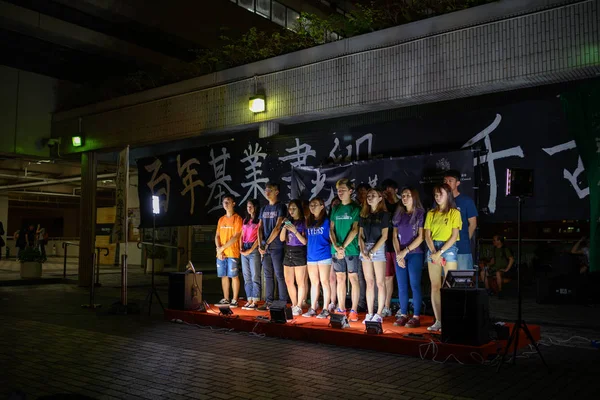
point(376, 318)
point(386, 312)
point(309, 313)
point(437, 327)
point(331, 308)
point(367, 318)
point(296, 311)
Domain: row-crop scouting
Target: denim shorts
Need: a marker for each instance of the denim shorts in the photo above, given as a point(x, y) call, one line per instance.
point(326, 261)
point(450, 255)
point(347, 264)
point(379, 255)
point(227, 267)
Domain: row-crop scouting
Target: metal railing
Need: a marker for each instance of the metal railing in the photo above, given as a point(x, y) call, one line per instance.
point(181, 250)
point(106, 253)
point(65, 246)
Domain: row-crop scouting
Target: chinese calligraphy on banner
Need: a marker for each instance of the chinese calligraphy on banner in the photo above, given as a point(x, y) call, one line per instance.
point(530, 134)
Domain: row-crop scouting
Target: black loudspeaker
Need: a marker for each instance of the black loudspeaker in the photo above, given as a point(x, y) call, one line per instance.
point(519, 182)
point(280, 312)
point(465, 316)
point(556, 290)
point(185, 290)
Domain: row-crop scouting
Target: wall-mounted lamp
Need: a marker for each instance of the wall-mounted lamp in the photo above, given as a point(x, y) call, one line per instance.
point(77, 140)
point(257, 103)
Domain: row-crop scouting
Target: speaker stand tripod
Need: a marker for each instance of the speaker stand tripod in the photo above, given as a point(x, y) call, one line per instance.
point(519, 324)
point(152, 292)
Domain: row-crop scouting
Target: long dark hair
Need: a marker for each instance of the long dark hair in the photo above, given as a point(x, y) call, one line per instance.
point(366, 208)
point(248, 217)
point(298, 204)
point(417, 205)
point(311, 221)
point(451, 203)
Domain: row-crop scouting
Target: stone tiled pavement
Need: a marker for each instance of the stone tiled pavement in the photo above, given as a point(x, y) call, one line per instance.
point(50, 345)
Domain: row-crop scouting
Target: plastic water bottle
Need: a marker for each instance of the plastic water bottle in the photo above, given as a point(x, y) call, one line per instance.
point(54, 249)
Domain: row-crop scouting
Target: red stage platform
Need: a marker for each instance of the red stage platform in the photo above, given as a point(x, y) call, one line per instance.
point(393, 340)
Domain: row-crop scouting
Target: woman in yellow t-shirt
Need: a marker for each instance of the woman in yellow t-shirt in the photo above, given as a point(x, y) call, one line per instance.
point(442, 227)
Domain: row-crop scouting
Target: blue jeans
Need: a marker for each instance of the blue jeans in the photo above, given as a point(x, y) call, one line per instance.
point(273, 268)
point(412, 273)
point(227, 267)
point(251, 271)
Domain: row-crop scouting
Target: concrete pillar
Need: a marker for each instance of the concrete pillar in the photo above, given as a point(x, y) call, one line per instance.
point(4, 220)
point(87, 240)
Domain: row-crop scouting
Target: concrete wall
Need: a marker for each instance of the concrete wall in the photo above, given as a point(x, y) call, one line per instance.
point(27, 101)
point(482, 50)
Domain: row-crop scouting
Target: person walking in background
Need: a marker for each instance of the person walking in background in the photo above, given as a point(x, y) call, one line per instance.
point(442, 226)
point(270, 246)
point(408, 235)
point(227, 241)
point(468, 214)
point(390, 192)
point(250, 255)
point(31, 237)
point(318, 257)
point(40, 234)
point(293, 233)
point(20, 240)
point(344, 246)
point(374, 224)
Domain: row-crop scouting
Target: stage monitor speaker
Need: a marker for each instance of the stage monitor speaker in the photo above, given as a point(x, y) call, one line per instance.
point(519, 182)
point(465, 316)
point(185, 290)
point(373, 328)
point(339, 321)
point(280, 312)
point(463, 278)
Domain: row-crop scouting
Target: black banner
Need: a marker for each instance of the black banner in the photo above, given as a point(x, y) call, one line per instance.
point(529, 134)
point(419, 172)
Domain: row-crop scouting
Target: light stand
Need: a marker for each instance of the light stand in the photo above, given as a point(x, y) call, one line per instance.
point(519, 324)
point(152, 292)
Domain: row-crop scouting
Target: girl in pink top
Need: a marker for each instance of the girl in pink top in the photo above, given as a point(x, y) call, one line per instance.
point(250, 255)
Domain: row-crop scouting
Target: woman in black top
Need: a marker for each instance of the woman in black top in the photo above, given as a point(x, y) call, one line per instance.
point(374, 224)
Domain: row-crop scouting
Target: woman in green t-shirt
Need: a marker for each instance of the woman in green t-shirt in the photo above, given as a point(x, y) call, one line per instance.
point(442, 227)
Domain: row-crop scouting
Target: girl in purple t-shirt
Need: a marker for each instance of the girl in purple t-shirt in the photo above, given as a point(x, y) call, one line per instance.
point(293, 234)
point(408, 235)
point(250, 255)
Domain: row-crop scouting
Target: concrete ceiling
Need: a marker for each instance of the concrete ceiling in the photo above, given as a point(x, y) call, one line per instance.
point(42, 182)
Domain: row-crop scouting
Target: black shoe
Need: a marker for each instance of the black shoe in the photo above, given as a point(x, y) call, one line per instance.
point(264, 307)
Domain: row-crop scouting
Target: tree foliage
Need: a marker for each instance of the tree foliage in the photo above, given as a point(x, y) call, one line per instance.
point(310, 30)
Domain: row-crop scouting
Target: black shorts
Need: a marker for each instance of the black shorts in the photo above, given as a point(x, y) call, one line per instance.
point(295, 256)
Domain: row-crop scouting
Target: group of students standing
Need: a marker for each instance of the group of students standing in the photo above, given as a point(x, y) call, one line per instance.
point(366, 242)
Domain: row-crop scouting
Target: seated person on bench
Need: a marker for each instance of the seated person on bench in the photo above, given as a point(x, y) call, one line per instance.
point(501, 262)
